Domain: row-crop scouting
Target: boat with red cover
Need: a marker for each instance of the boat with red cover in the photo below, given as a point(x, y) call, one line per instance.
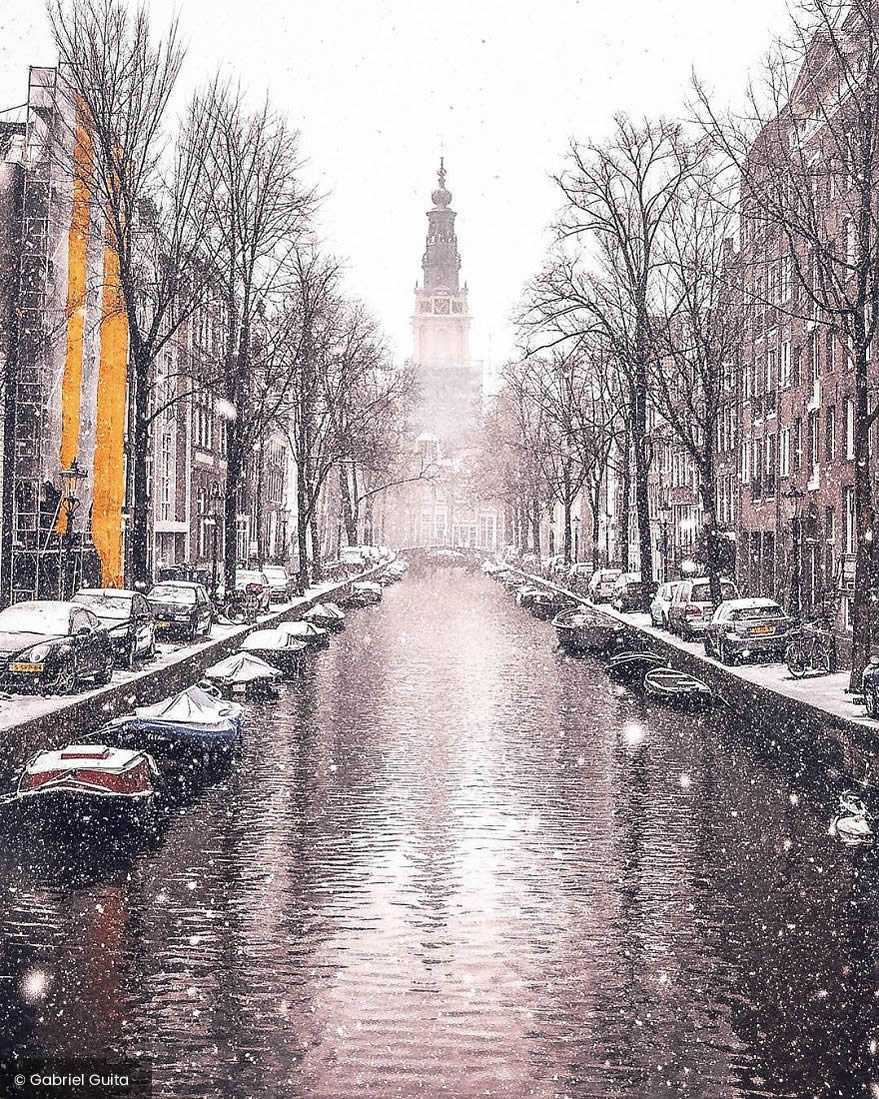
point(89, 784)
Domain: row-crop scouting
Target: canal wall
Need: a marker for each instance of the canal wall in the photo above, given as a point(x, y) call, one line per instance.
point(30, 724)
point(782, 723)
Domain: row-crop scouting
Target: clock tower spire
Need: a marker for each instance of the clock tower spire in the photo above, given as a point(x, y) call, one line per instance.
point(442, 319)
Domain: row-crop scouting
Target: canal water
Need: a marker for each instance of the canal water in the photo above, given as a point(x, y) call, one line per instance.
point(453, 861)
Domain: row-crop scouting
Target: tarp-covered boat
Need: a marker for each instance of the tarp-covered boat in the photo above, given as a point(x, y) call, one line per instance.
point(326, 615)
point(670, 685)
point(582, 630)
point(363, 593)
point(631, 666)
point(192, 720)
point(244, 673)
point(852, 823)
point(309, 632)
point(93, 784)
point(547, 604)
point(526, 595)
point(278, 648)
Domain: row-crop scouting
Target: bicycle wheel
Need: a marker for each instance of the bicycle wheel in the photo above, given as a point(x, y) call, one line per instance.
point(823, 658)
point(796, 659)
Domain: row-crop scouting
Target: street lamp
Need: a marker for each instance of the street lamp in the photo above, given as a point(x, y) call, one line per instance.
point(794, 498)
point(72, 479)
point(576, 537)
point(607, 518)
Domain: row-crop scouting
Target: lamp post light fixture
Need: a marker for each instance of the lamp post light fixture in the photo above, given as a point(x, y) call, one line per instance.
point(72, 479)
point(212, 520)
point(794, 498)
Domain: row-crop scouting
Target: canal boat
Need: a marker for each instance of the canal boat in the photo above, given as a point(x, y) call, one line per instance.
point(309, 632)
point(326, 615)
point(631, 666)
point(193, 721)
point(582, 630)
point(547, 604)
point(278, 648)
point(244, 674)
point(362, 593)
point(88, 785)
point(852, 823)
point(526, 594)
point(670, 685)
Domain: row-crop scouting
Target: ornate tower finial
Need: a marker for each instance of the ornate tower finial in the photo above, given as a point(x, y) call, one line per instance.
point(441, 174)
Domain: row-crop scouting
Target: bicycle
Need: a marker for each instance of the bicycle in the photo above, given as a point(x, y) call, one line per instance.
point(812, 648)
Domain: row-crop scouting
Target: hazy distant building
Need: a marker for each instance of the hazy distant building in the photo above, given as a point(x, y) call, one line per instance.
point(443, 509)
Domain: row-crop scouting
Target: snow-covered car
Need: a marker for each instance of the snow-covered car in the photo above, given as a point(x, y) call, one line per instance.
point(127, 618)
point(628, 592)
point(50, 645)
point(691, 607)
point(747, 627)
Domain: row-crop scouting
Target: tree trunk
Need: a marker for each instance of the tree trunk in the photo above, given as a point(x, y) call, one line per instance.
point(594, 505)
point(864, 519)
point(234, 466)
point(347, 508)
point(301, 531)
point(140, 505)
point(315, 545)
point(708, 492)
point(259, 514)
point(626, 504)
point(566, 504)
point(535, 526)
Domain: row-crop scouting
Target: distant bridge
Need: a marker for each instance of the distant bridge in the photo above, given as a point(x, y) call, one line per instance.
point(429, 558)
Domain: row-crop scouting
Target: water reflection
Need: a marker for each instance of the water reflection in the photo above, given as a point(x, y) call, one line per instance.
point(452, 860)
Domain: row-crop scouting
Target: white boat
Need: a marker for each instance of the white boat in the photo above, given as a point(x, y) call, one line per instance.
point(244, 673)
point(89, 783)
point(670, 685)
point(278, 648)
point(326, 615)
point(309, 632)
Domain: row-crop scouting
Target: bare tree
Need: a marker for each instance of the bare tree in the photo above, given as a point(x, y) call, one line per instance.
point(806, 150)
point(698, 333)
point(261, 217)
point(601, 277)
point(148, 184)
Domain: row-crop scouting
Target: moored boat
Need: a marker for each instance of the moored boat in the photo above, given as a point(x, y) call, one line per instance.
point(631, 666)
point(278, 648)
point(362, 593)
point(326, 615)
point(244, 674)
point(670, 685)
point(582, 630)
point(309, 632)
point(92, 785)
point(192, 721)
point(547, 604)
point(526, 594)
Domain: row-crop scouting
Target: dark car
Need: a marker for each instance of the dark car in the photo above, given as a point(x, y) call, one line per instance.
point(870, 687)
point(181, 608)
point(747, 627)
point(628, 592)
point(127, 618)
point(49, 645)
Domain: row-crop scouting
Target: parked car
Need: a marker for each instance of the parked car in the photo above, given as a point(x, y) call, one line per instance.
point(870, 687)
point(661, 603)
point(127, 618)
point(280, 584)
point(601, 584)
point(691, 608)
point(747, 627)
point(246, 577)
point(580, 572)
point(181, 608)
point(628, 592)
point(51, 645)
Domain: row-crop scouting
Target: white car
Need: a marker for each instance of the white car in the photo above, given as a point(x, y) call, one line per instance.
point(665, 593)
point(602, 584)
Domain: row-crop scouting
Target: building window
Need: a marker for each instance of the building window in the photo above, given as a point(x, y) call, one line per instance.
point(798, 443)
point(204, 421)
point(784, 452)
point(785, 365)
point(830, 434)
point(829, 524)
point(814, 438)
point(848, 496)
point(849, 407)
point(166, 477)
point(816, 356)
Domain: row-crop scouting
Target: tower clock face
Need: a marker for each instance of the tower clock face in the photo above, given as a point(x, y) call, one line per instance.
point(442, 305)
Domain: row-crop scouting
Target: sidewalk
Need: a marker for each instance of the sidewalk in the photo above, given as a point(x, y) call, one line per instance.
point(822, 696)
point(29, 722)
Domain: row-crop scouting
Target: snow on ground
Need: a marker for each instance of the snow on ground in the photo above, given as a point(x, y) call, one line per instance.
point(16, 709)
point(826, 693)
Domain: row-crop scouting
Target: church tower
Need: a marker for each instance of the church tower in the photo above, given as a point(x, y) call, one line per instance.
point(449, 381)
point(442, 319)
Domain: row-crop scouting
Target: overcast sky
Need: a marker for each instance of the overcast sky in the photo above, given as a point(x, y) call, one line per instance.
point(379, 87)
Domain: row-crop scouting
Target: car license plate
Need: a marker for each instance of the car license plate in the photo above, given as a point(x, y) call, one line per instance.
point(162, 623)
point(763, 629)
point(25, 666)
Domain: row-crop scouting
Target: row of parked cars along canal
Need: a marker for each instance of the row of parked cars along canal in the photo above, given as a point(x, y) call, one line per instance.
point(54, 646)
